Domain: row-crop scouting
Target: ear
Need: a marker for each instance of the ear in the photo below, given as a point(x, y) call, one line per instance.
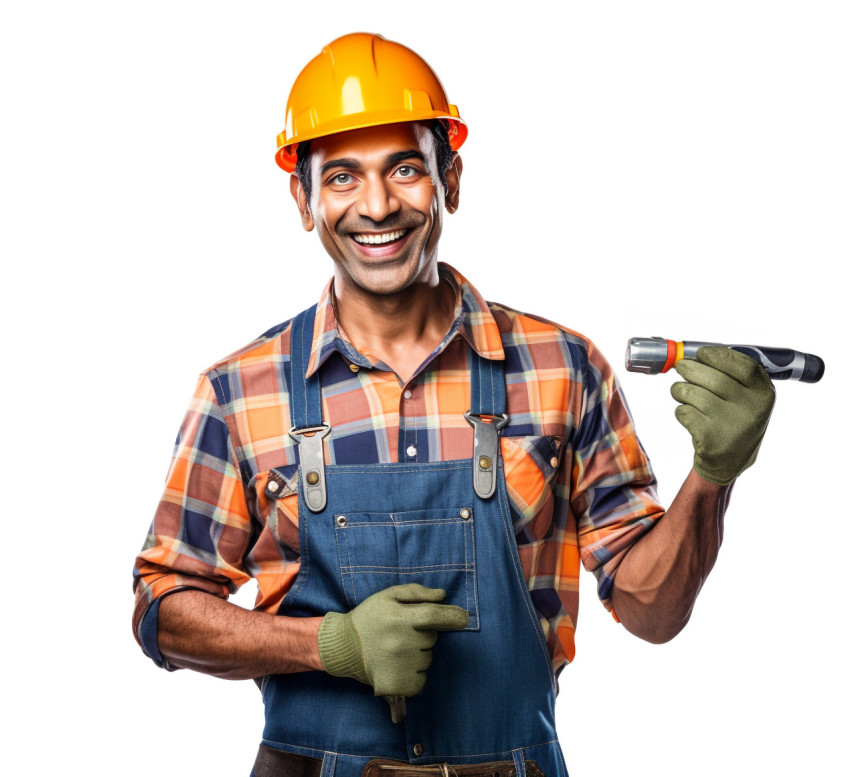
point(453, 183)
point(297, 191)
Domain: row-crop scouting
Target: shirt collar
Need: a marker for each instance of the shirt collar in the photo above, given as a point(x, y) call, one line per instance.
point(473, 320)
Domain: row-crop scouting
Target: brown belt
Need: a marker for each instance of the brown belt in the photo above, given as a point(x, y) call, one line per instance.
point(278, 763)
point(380, 768)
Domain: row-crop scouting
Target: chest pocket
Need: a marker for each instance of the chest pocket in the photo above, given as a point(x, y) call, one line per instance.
point(435, 548)
point(531, 464)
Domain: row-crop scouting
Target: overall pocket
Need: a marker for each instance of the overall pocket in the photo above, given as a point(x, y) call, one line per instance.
point(435, 548)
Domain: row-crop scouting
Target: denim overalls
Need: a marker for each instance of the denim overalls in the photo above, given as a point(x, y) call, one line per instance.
point(490, 691)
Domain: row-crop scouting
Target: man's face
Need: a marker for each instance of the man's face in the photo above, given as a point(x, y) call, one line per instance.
point(377, 205)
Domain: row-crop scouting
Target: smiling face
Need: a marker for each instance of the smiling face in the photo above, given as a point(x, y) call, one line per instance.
point(377, 205)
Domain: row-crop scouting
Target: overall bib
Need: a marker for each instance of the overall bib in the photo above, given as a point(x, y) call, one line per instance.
point(490, 691)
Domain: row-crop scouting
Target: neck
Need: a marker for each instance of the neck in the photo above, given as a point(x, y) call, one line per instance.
point(399, 329)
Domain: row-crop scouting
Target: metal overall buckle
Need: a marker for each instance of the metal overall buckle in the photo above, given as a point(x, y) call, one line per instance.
point(312, 457)
point(485, 451)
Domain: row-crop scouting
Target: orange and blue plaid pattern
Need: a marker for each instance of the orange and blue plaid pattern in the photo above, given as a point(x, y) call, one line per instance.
point(580, 486)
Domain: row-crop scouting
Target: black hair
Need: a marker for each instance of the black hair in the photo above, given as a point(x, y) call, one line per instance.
point(302, 168)
point(442, 148)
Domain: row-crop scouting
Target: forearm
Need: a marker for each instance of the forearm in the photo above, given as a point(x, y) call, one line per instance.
point(203, 632)
point(658, 581)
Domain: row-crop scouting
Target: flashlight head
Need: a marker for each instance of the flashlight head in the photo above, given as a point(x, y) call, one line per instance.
point(646, 355)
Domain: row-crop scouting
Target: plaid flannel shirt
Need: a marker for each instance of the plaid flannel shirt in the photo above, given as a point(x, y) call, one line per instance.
point(581, 489)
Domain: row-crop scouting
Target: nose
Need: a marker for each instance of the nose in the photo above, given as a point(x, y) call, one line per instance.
point(377, 200)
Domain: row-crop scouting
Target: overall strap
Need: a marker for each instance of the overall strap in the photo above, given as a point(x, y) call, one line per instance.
point(305, 395)
point(305, 409)
point(488, 386)
point(489, 398)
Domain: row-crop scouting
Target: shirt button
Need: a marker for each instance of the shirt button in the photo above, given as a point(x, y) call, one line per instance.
point(417, 749)
point(408, 394)
point(411, 451)
point(554, 461)
point(354, 367)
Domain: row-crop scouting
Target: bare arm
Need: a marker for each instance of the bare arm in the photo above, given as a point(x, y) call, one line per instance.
point(658, 581)
point(200, 631)
point(726, 401)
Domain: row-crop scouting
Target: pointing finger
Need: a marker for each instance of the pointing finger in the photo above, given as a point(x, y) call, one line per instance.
point(412, 593)
point(444, 617)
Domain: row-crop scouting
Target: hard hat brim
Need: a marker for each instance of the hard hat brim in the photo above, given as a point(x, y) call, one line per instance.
point(287, 158)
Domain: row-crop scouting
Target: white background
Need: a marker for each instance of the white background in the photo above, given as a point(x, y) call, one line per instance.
point(632, 168)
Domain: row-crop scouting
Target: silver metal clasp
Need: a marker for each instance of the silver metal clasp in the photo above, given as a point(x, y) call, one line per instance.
point(485, 452)
point(311, 453)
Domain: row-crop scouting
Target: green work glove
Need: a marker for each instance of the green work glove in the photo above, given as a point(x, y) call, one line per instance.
point(386, 640)
point(726, 404)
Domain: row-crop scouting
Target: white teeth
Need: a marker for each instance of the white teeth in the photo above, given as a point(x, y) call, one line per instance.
point(378, 239)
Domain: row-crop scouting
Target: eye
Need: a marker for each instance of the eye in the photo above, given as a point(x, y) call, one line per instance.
point(341, 179)
point(406, 171)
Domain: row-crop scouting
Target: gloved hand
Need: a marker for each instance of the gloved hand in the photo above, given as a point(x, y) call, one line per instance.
point(386, 640)
point(727, 403)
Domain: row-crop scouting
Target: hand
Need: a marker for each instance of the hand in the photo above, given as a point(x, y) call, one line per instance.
point(387, 640)
point(726, 404)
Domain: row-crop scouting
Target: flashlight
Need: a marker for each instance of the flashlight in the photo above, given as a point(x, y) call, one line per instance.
point(651, 355)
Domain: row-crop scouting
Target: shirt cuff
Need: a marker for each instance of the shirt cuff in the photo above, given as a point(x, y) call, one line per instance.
point(148, 632)
point(148, 629)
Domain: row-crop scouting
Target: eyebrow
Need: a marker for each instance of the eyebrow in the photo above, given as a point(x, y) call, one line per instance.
point(348, 164)
point(352, 164)
point(400, 156)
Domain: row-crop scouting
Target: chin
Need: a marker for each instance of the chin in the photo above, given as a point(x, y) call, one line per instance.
point(382, 287)
point(386, 278)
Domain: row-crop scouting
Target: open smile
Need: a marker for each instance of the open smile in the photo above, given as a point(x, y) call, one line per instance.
point(381, 243)
point(370, 238)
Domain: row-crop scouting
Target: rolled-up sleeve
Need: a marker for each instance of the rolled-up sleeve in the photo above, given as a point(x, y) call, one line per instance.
point(613, 491)
point(202, 527)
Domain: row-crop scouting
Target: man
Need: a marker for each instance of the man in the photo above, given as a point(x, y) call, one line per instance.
point(413, 475)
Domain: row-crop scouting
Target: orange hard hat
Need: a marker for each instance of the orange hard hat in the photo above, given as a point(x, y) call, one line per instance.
point(363, 80)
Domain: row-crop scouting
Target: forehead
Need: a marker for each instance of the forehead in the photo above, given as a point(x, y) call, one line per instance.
point(370, 143)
